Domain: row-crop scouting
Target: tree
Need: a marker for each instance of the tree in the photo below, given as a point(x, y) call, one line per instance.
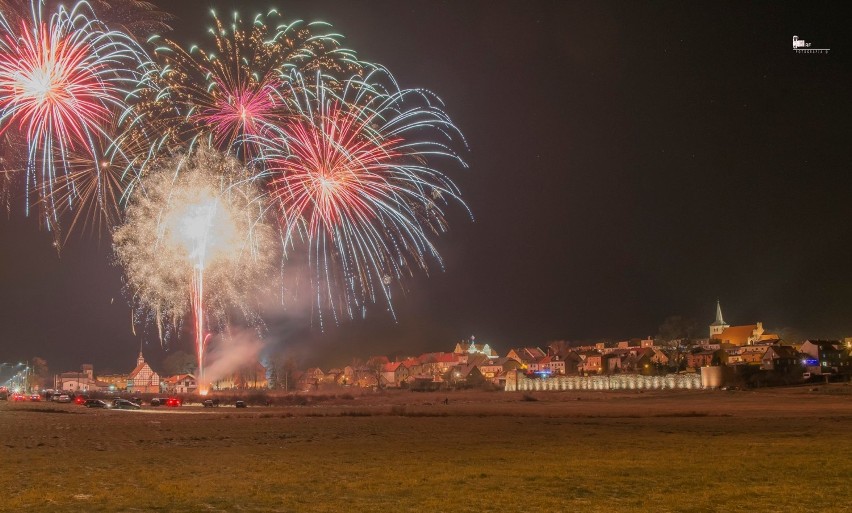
point(790, 335)
point(559, 348)
point(179, 362)
point(676, 327)
point(282, 371)
point(40, 372)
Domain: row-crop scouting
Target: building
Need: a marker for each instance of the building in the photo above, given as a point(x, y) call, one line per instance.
point(749, 334)
point(719, 325)
point(393, 374)
point(471, 347)
point(825, 356)
point(526, 356)
point(437, 364)
point(495, 370)
point(703, 358)
point(465, 375)
point(180, 384)
point(744, 355)
point(142, 379)
point(114, 381)
point(781, 358)
point(591, 362)
point(80, 381)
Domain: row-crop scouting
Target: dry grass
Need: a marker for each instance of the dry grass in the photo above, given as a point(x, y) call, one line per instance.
point(778, 450)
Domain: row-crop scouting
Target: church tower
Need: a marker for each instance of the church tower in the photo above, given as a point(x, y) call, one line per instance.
point(719, 324)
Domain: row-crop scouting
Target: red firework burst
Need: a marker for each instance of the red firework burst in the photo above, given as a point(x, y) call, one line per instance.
point(337, 171)
point(240, 110)
point(49, 85)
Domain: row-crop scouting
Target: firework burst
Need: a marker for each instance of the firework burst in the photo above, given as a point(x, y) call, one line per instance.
point(194, 242)
point(351, 176)
point(99, 180)
point(60, 79)
point(228, 94)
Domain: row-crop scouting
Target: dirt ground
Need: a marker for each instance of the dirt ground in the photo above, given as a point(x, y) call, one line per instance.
point(768, 450)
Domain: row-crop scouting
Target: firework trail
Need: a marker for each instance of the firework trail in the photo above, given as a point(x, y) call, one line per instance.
point(194, 242)
point(351, 177)
point(228, 94)
point(60, 80)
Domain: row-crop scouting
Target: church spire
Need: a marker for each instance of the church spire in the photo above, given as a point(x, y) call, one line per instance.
point(719, 319)
point(719, 324)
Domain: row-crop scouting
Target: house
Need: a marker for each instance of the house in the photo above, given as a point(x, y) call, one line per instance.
point(642, 362)
point(465, 375)
point(611, 363)
point(659, 357)
point(180, 384)
point(495, 371)
point(591, 362)
point(334, 375)
point(142, 379)
point(311, 379)
point(744, 355)
point(413, 365)
point(526, 356)
point(437, 364)
point(393, 374)
point(253, 375)
point(781, 358)
point(825, 356)
point(703, 358)
point(360, 376)
point(552, 364)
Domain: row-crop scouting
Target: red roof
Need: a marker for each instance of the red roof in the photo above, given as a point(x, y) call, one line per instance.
point(446, 357)
point(410, 362)
point(391, 367)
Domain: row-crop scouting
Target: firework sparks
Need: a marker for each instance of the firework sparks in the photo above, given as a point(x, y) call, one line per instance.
point(136, 17)
point(60, 79)
point(351, 175)
point(194, 243)
point(228, 94)
point(98, 180)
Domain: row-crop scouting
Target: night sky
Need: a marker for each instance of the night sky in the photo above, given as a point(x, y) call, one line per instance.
point(628, 161)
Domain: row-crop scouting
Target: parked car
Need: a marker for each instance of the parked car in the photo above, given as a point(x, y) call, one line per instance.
point(159, 401)
point(124, 404)
point(240, 404)
point(207, 403)
point(63, 398)
point(95, 403)
point(173, 402)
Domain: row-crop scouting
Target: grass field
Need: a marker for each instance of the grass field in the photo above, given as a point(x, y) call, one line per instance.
point(773, 450)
